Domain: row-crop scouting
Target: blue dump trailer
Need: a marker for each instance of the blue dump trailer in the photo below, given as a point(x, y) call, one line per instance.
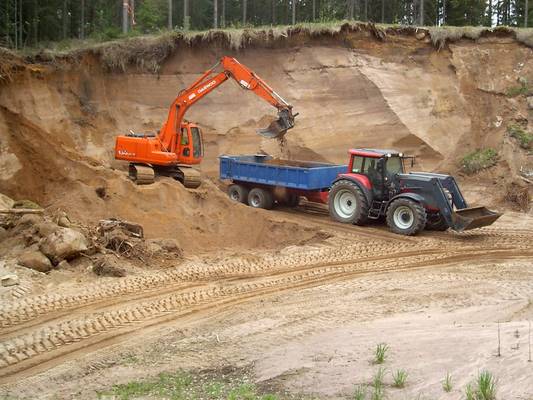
point(260, 180)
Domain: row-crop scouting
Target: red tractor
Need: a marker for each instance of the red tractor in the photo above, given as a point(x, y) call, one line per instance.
point(376, 185)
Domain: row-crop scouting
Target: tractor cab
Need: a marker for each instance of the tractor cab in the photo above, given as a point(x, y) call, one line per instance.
point(189, 146)
point(379, 167)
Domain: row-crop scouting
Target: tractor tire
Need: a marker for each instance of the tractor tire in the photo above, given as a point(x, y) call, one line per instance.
point(435, 222)
point(238, 193)
point(260, 198)
point(347, 203)
point(406, 217)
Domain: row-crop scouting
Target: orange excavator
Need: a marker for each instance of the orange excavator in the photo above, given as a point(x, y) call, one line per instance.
point(178, 146)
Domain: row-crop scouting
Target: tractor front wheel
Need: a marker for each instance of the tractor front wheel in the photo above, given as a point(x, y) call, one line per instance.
point(436, 222)
point(406, 217)
point(347, 203)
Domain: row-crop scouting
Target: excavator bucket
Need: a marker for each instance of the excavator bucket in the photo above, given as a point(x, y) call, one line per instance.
point(279, 127)
point(472, 218)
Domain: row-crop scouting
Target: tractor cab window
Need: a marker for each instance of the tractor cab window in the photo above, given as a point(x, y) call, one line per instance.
point(394, 166)
point(196, 142)
point(358, 164)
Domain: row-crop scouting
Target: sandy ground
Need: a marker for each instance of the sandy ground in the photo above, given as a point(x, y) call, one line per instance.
point(306, 319)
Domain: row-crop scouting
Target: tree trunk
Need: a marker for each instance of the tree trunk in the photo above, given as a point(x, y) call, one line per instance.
point(294, 12)
point(64, 15)
point(273, 12)
point(382, 11)
point(215, 14)
point(170, 25)
point(526, 11)
point(244, 5)
point(314, 10)
point(366, 10)
point(351, 9)
point(16, 26)
point(421, 12)
point(82, 20)
point(186, 17)
point(223, 15)
point(124, 16)
point(443, 19)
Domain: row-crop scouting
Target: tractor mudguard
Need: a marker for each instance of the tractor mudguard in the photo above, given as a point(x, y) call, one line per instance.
point(412, 196)
point(355, 179)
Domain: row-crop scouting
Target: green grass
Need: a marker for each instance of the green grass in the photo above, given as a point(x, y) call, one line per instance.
point(447, 383)
point(399, 378)
point(484, 387)
point(478, 160)
point(525, 139)
point(378, 391)
point(360, 392)
point(187, 386)
point(381, 353)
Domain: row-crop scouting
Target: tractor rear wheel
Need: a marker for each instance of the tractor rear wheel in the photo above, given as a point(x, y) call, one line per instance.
point(347, 203)
point(260, 198)
point(406, 217)
point(238, 193)
point(436, 222)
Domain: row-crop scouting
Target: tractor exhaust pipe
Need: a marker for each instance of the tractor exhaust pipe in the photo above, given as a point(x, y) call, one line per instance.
point(472, 218)
point(278, 128)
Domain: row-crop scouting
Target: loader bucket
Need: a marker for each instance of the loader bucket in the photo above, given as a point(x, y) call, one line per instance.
point(279, 127)
point(472, 218)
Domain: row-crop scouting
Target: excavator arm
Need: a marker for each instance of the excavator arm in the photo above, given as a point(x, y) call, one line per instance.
point(210, 80)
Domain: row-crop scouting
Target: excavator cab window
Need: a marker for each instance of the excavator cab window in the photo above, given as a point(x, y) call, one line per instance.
point(198, 151)
point(184, 137)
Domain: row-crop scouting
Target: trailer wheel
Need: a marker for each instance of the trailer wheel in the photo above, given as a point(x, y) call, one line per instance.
point(238, 193)
point(292, 200)
point(260, 198)
point(435, 222)
point(347, 203)
point(406, 217)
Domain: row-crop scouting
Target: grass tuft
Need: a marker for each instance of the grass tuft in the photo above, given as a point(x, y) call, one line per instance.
point(479, 159)
point(486, 386)
point(399, 377)
point(525, 139)
point(447, 383)
point(360, 392)
point(381, 353)
point(378, 392)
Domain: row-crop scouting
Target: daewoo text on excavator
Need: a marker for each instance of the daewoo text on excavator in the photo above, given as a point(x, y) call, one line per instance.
point(179, 145)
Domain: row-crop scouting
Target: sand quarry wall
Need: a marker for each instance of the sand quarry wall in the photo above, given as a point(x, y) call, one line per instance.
point(59, 117)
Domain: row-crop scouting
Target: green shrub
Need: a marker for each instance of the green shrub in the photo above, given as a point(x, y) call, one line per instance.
point(521, 89)
point(399, 377)
point(524, 138)
point(486, 386)
point(360, 393)
point(381, 353)
point(479, 159)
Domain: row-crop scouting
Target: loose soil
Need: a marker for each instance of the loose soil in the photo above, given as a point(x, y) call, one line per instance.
point(293, 297)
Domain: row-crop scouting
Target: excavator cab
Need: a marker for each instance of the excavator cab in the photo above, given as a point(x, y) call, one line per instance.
point(190, 146)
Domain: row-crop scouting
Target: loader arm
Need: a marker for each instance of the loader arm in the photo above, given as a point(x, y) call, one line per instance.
point(208, 82)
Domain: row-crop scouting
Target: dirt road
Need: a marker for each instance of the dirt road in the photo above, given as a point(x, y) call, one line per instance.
point(357, 274)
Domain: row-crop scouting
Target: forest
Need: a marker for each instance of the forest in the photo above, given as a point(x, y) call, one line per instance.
point(37, 23)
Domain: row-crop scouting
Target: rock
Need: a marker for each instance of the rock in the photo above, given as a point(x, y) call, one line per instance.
point(164, 245)
point(26, 204)
point(5, 202)
point(108, 267)
point(35, 260)
point(46, 228)
point(29, 220)
point(9, 280)
point(63, 244)
point(63, 220)
point(530, 102)
point(420, 35)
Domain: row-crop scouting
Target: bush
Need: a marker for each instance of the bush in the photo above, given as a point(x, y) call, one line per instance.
point(479, 159)
point(399, 377)
point(381, 353)
point(524, 138)
point(484, 388)
point(447, 383)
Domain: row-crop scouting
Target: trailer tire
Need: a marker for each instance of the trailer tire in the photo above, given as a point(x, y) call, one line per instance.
point(292, 200)
point(260, 198)
point(406, 217)
point(238, 193)
point(435, 222)
point(347, 203)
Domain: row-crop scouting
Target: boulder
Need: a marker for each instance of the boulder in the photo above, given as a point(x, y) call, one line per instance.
point(63, 220)
point(63, 244)
point(9, 280)
point(6, 202)
point(63, 265)
point(530, 102)
point(35, 260)
point(46, 228)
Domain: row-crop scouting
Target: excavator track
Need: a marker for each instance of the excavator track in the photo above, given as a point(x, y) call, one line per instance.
point(191, 177)
point(141, 174)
